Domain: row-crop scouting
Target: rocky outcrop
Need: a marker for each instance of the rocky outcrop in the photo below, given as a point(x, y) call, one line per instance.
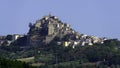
point(45, 29)
point(49, 27)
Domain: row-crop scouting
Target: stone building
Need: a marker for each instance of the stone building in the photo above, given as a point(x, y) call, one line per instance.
point(51, 29)
point(46, 29)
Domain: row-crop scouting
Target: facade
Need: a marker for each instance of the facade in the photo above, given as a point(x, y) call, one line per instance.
point(50, 29)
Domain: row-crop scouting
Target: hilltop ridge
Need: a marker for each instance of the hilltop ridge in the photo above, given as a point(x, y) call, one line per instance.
point(46, 29)
point(53, 43)
point(49, 27)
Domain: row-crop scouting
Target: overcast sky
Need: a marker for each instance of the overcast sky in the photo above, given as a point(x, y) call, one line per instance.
point(92, 17)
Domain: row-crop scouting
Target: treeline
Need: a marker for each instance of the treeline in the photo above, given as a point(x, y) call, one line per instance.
point(6, 63)
point(102, 55)
point(53, 55)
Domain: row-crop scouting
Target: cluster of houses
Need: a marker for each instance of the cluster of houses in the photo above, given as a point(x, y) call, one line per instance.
point(83, 40)
point(50, 26)
point(9, 39)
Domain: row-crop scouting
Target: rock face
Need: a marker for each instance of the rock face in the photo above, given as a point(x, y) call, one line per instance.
point(45, 29)
point(49, 27)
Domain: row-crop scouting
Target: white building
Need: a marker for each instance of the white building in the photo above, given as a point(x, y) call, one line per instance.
point(16, 36)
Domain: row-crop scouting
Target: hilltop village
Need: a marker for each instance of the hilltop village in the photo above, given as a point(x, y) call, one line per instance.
point(50, 28)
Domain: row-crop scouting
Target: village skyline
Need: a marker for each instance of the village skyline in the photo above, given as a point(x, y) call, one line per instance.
point(99, 18)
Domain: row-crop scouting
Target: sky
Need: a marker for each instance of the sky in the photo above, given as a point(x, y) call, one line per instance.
point(92, 17)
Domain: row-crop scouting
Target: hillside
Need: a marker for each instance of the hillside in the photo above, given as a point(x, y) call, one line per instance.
point(52, 43)
point(50, 28)
point(52, 55)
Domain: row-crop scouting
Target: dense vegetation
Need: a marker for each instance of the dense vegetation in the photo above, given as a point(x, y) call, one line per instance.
point(6, 63)
point(97, 56)
point(53, 55)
